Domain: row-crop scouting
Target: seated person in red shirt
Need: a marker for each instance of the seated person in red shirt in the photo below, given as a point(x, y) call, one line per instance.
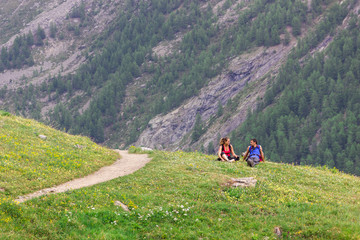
point(226, 151)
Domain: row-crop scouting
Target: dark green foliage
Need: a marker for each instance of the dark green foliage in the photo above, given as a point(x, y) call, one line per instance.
point(63, 116)
point(317, 118)
point(316, 6)
point(333, 18)
point(296, 26)
point(19, 54)
point(25, 100)
point(198, 129)
point(3, 92)
point(30, 39)
point(4, 114)
point(220, 110)
point(53, 30)
point(210, 148)
point(39, 36)
point(4, 58)
point(79, 11)
point(287, 38)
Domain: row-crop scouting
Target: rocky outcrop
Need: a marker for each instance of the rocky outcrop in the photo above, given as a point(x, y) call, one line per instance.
point(167, 131)
point(242, 182)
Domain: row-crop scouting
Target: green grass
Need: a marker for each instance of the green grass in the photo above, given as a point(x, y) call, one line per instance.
point(28, 163)
point(182, 195)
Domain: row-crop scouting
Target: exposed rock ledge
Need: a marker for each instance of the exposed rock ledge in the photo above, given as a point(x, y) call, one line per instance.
point(166, 131)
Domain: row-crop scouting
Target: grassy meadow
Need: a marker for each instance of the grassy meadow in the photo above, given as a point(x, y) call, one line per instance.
point(181, 195)
point(29, 163)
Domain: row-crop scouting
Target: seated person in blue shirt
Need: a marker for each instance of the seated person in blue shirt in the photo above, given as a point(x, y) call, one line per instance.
point(255, 152)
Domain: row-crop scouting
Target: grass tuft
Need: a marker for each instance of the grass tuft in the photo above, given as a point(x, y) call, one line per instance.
point(4, 114)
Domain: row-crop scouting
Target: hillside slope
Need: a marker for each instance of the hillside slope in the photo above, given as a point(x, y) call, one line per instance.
point(310, 114)
point(239, 88)
point(29, 162)
point(185, 196)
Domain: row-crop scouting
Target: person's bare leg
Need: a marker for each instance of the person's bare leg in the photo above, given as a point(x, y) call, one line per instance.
point(224, 157)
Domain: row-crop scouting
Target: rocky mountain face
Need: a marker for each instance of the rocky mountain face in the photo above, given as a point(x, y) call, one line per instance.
point(169, 130)
point(62, 54)
point(246, 79)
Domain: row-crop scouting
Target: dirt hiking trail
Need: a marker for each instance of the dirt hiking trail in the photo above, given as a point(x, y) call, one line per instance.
point(127, 164)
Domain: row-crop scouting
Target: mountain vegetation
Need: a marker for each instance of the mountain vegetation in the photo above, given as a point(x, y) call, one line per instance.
point(310, 114)
point(127, 45)
point(20, 52)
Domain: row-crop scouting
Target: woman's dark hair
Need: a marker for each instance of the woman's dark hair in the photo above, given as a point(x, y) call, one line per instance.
point(254, 140)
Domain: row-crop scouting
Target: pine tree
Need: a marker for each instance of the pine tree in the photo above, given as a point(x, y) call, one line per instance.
point(329, 159)
point(296, 26)
point(30, 39)
point(287, 38)
point(53, 30)
point(198, 129)
point(220, 110)
point(275, 38)
point(40, 36)
point(5, 57)
point(40, 32)
point(210, 148)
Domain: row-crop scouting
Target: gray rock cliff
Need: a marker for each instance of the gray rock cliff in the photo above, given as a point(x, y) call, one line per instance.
point(167, 131)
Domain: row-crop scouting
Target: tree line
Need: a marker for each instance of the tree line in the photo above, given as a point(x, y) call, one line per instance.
point(314, 116)
point(19, 54)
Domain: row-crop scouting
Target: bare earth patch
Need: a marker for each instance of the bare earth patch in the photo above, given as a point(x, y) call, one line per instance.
point(127, 164)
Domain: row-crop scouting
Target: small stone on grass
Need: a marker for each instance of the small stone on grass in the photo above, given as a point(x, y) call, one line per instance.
point(43, 137)
point(242, 182)
point(123, 206)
